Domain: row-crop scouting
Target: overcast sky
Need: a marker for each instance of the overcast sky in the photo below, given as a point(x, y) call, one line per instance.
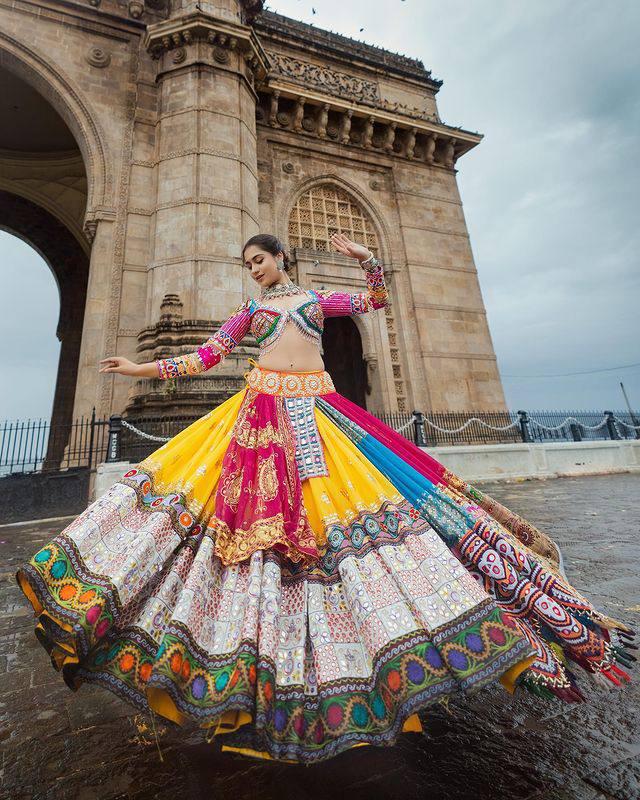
point(550, 194)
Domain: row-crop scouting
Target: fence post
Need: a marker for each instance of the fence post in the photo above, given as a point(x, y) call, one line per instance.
point(91, 435)
point(113, 443)
point(611, 425)
point(575, 432)
point(524, 426)
point(418, 429)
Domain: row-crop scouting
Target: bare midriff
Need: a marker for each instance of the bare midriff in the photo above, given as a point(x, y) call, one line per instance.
point(293, 352)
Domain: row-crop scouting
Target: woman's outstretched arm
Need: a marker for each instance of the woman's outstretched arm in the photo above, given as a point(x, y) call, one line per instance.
point(341, 304)
point(210, 353)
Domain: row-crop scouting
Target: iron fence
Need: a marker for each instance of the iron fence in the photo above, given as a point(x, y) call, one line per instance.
point(37, 446)
point(450, 427)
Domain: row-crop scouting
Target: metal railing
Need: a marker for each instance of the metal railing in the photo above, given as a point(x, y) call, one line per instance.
point(36, 446)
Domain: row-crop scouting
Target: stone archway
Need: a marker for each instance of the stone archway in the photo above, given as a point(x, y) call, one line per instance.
point(70, 266)
point(342, 355)
point(43, 199)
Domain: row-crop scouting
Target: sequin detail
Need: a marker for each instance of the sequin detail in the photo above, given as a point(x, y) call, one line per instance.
point(309, 453)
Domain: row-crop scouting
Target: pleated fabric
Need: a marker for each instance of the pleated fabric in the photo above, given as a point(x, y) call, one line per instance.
point(293, 618)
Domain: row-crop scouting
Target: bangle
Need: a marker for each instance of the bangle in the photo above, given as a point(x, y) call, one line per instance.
point(374, 266)
point(366, 259)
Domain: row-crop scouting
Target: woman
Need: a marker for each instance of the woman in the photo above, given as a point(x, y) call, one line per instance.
point(295, 576)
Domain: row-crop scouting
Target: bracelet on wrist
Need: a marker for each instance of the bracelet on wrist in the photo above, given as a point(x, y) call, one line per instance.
point(372, 266)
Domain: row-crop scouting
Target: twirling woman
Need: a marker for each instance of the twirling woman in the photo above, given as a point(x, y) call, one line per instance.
point(293, 575)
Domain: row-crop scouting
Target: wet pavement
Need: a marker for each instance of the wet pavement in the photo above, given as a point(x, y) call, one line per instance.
point(89, 744)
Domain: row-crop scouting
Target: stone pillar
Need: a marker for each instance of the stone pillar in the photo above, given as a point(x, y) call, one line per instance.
point(68, 332)
point(207, 178)
point(207, 186)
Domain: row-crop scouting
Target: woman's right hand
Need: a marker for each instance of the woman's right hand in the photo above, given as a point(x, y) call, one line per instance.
point(119, 364)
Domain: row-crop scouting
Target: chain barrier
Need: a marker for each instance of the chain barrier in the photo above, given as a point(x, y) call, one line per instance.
point(567, 419)
point(468, 422)
point(411, 422)
point(143, 434)
point(403, 428)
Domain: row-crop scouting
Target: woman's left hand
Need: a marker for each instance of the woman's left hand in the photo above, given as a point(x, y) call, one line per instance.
point(349, 248)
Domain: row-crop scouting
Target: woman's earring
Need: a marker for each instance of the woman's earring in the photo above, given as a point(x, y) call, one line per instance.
point(280, 264)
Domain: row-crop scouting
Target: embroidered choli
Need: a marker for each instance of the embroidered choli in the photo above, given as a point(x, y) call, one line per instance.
point(267, 323)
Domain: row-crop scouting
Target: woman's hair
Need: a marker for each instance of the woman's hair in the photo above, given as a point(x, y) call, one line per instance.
point(269, 243)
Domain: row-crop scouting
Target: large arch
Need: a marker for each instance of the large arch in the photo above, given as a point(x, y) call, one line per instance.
point(70, 266)
point(44, 198)
point(66, 99)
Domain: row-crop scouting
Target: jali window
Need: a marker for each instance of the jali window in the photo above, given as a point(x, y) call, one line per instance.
point(327, 209)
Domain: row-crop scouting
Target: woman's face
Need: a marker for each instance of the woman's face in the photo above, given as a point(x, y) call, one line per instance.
point(262, 265)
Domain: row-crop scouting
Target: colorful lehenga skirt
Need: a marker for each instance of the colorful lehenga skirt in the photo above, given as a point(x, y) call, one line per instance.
point(296, 578)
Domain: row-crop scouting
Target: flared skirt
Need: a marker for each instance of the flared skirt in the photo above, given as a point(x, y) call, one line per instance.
point(296, 578)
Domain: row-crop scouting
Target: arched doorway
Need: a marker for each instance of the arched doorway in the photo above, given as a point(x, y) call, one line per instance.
point(343, 359)
point(43, 198)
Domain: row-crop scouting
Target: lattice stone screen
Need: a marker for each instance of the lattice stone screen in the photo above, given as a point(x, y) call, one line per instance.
point(324, 210)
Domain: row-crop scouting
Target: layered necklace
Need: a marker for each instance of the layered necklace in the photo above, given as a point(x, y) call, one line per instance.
point(281, 290)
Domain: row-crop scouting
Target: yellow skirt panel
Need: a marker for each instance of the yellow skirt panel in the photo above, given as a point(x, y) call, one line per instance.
point(191, 462)
point(353, 485)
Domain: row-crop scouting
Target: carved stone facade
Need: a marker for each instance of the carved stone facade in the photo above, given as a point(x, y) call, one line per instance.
point(167, 133)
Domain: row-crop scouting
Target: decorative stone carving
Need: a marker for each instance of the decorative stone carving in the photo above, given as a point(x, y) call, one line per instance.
point(430, 148)
point(177, 32)
point(90, 227)
point(179, 55)
point(449, 151)
point(410, 143)
point(273, 112)
point(171, 308)
point(389, 138)
point(393, 137)
point(323, 116)
point(329, 80)
point(98, 57)
point(298, 114)
point(221, 55)
point(136, 9)
point(345, 128)
point(341, 84)
point(288, 167)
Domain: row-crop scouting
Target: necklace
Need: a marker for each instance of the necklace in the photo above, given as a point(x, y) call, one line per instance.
point(281, 290)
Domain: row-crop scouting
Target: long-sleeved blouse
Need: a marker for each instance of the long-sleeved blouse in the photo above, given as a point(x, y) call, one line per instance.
point(267, 322)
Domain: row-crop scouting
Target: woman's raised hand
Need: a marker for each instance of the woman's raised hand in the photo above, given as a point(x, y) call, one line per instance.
point(349, 248)
point(119, 364)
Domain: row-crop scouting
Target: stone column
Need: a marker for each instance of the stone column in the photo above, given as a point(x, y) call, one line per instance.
point(207, 179)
